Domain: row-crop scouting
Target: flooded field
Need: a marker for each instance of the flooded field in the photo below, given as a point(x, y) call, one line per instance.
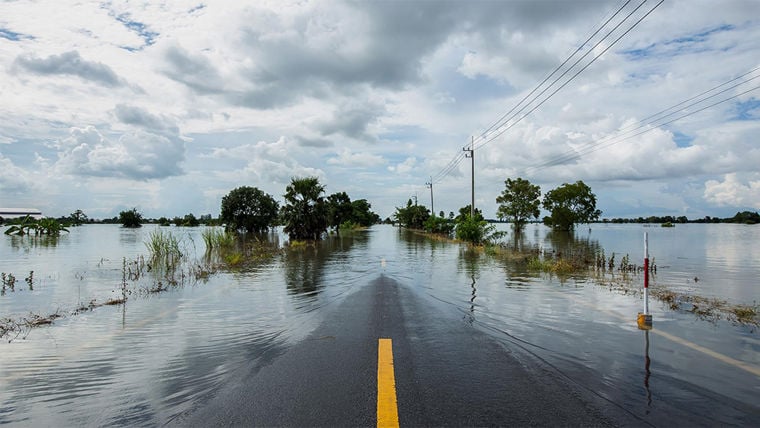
point(162, 355)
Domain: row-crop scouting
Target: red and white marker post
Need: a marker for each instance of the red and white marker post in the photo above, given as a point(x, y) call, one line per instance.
point(644, 320)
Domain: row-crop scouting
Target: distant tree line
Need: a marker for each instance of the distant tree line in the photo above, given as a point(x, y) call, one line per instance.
point(744, 217)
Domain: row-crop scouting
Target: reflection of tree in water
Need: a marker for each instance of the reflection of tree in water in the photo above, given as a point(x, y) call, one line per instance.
point(580, 251)
point(305, 266)
point(27, 242)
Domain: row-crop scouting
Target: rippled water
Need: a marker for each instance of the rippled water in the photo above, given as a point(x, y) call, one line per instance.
point(162, 355)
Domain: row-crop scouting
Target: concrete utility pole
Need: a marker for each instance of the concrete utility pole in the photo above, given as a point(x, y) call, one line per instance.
point(471, 155)
point(430, 185)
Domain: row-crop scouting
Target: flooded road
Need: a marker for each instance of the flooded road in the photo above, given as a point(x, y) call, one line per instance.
point(163, 358)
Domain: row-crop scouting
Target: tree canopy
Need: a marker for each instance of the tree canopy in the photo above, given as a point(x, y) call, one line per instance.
point(305, 210)
point(519, 201)
point(412, 216)
point(130, 218)
point(570, 204)
point(250, 209)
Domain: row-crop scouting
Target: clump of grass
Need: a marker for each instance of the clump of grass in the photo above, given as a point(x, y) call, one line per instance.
point(233, 259)
point(216, 238)
point(538, 264)
point(163, 245)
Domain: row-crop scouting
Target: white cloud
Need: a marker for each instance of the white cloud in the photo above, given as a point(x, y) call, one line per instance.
point(404, 167)
point(136, 155)
point(349, 159)
point(733, 192)
point(13, 180)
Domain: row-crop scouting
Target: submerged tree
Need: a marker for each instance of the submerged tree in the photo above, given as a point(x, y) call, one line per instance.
point(339, 209)
point(249, 209)
point(519, 201)
point(412, 216)
point(305, 210)
point(130, 218)
point(570, 204)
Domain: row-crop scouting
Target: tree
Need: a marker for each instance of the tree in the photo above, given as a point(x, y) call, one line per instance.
point(570, 204)
point(339, 209)
point(78, 217)
point(519, 201)
point(130, 218)
point(305, 210)
point(412, 216)
point(190, 221)
point(464, 214)
point(249, 209)
point(362, 213)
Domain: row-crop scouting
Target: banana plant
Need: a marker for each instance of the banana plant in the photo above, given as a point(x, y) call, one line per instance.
point(23, 227)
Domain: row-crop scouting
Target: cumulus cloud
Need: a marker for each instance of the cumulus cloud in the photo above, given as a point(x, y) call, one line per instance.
point(72, 64)
point(13, 180)
point(404, 167)
point(348, 158)
point(733, 192)
point(352, 120)
point(135, 155)
point(142, 118)
point(267, 163)
point(193, 70)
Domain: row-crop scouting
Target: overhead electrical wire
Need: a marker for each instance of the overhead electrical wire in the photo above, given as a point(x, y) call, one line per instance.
point(609, 142)
point(490, 138)
point(498, 127)
point(653, 121)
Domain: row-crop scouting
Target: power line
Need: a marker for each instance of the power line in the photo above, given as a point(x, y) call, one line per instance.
point(559, 67)
point(502, 131)
point(619, 140)
point(484, 138)
point(653, 121)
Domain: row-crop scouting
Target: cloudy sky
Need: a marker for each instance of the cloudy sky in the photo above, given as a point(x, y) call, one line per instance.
point(168, 105)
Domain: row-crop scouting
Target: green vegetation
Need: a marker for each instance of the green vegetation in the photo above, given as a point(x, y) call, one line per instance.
point(440, 225)
point(473, 230)
point(570, 204)
point(217, 239)
point(163, 246)
point(130, 218)
point(412, 216)
point(249, 209)
point(519, 202)
point(45, 226)
point(341, 211)
point(305, 210)
point(78, 218)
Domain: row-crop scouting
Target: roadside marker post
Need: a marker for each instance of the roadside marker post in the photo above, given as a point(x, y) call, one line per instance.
point(644, 320)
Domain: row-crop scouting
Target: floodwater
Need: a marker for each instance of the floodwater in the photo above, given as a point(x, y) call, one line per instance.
point(162, 355)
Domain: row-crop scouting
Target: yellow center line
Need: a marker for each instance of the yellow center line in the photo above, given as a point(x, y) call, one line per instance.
point(387, 408)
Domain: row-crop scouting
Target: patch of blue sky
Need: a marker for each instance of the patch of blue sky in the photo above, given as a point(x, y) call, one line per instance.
point(403, 133)
point(682, 140)
point(149, 37)
point(689, 44)
point(747, 110)
point(14, 36)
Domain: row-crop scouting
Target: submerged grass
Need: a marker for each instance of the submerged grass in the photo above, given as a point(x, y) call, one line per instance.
point(167, 267)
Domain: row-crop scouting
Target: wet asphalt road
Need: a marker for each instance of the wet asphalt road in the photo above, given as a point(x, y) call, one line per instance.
point(448, 373)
